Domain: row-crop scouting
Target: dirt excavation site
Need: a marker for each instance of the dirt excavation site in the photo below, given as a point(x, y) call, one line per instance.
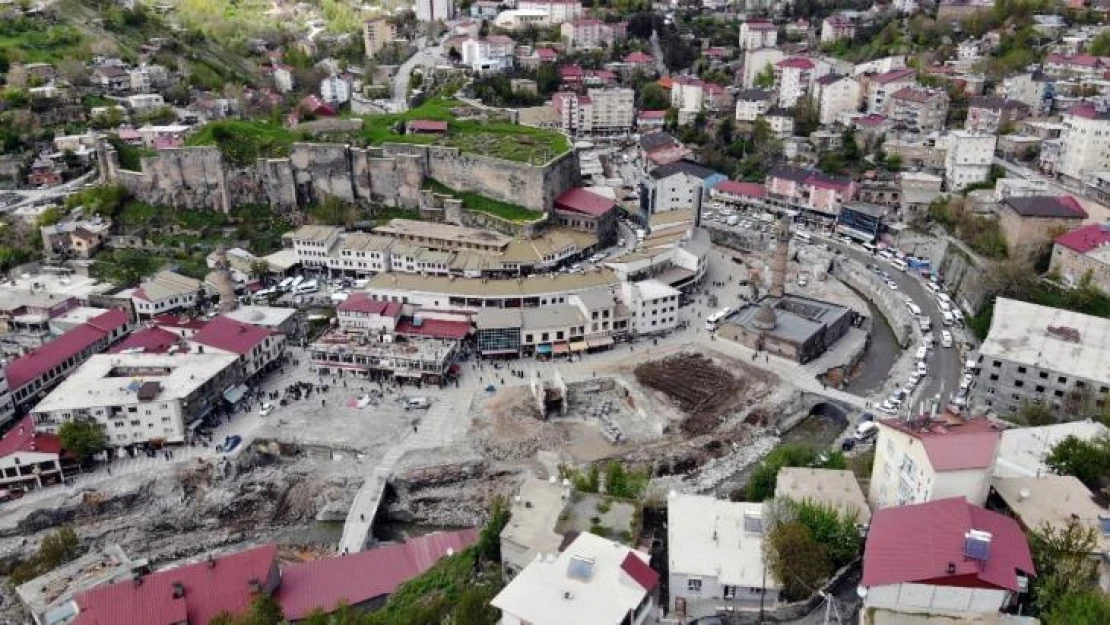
point(698, 419)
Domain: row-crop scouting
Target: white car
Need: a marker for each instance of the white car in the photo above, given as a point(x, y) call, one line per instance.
point(921, 368)
point(945, 338)
point(887, 407)
point(893, 286)
point(265, 410)
point(914, 379)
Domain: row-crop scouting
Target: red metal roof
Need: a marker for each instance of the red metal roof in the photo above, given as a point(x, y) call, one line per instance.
point(918, 544)
point(638, 57)
point(749, 189)
point(796, 62)
point(435, 328)
point(653, 114)
point(151, 340)
point(971, 444)
point(1084, 60)
point(1087, 238)
point(580, 200)
point(231, 335)
point(359, 577)
point(23, 437)
point(424, 125)
point(360, 301)
point(208, 591)
point(44, 358)
point(894, 75)
point(638, 570)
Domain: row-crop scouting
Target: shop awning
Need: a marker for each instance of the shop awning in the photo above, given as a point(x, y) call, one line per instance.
point(562, 348)
point(544, 348)
point(602, 341)
point(578, 346)
point(234, 394)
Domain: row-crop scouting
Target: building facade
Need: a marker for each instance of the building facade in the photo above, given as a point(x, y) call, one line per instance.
point(1085, 142)
point(968, 158)
point(1083, 254)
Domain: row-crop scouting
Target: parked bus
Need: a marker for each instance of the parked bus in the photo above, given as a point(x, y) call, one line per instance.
point(285, 285)
point(870, 247)
point(716, 318)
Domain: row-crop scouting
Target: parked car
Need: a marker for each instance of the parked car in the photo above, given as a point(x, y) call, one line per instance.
point(265, 410)
point(231, 442)
point(945, 338)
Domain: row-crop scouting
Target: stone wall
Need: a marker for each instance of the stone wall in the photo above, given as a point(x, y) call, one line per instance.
point(890, 303)
point(391, 175)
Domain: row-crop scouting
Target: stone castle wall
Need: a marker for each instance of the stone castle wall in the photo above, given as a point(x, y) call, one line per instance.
point(390, 175)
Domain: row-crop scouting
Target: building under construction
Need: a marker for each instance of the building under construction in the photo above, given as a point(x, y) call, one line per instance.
point(799, 328)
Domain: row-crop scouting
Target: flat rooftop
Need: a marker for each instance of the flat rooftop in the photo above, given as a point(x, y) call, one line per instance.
point(48, 594)
point(709, 537)
point(1052, 499)
point(829, 487)
point(480, 287)
point(265, 316)
point(1051, 339)
point(1022, 451)
point(115, 379)
point(412, 348)
point(12, 299)
point(72, 285)
point(430, 232)
point(535, 515)
point(796, 318)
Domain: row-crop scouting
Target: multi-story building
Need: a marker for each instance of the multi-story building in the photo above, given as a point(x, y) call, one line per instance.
point(921, 460)
point(434, 10)
point(917, 109)
point(557, 11)
point(592, 580)
point(587, 34)
point(140, 398)
point(145, 102)
point(946, 557)
point(880, 86)
point(258, 348)
point(358, 314)
point(584, 210)
point(165, 292)
point(1035, 89)
point(7, 403)
point(146, 78)
point(990, 114)
point(416, 358)
point(1083, 254)
point(654, 306)
point(1085, 141)
point(1071, 66)
point(781, 122)
point(602, 111)
point(751, 104)
point(968, 158)
point(335, 90)
point(28, 459)
point(313, 243)
point(715, 557)
point(836, 27)
point(793, 77)
point(755, 34)
point(376, 34)
point(111, 79)
point(1045, 356)
point(492, 54)
point(76, 238)
point(836, 95)
point(687, 94)
point(1030, 222)
point(679, 185)
point(810, 190)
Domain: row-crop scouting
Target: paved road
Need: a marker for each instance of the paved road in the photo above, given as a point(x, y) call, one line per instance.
point(424, 57)
point(945, 365)
point(30, 196)
point(657, 52)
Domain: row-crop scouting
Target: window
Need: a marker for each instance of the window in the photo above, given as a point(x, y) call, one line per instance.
point(729, 592)
point(1019, 383)
point(994, 377)
point(1021, 369)
point(1040, 389)
point(1058, 393)
point(693, 585)
point(1044, 375)
point(996, 364)
point(1061, 380)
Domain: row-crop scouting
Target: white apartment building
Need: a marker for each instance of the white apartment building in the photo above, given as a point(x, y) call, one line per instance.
point(604, 111)
point(491, 54)
point(919, 461)
point(586, 34)
point(654, 306)
point(751, 104)
point(165, 292)
point(880, 86)
point(558, 11)
point(283, 78)
point(1085, 141)
point(145, 102)
point(792, 77)
point(146, 78)
point(7, 404)
point(335, 90)
point(140, 398)
point(678, 185)
point(594, 580)
point(756, 62)
point(755, 34)
point(688, 94)
point(359, 253)
point(434, 10)
point(715, 553)
point(968, 158)
point(313, 244)
point(836, 27)
point(836, 94)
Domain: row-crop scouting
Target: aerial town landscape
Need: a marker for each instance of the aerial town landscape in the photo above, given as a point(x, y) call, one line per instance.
point(554, 312)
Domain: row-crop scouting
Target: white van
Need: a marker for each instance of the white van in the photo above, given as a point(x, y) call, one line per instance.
point(417, 403)
point(925, 323)
point(914, 308)
point(306, 287)
point(866, 430)
point(898, 264)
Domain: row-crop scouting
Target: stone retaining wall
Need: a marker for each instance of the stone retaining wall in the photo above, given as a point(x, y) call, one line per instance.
point(890, 303)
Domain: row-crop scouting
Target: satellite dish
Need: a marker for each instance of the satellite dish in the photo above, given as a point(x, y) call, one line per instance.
point(861, 591)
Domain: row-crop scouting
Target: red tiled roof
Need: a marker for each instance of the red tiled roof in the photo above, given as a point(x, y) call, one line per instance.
point(547, 53)
point(1085, 60)
point(231, 335)
point(971, 444)
point(151, 340)
point(208, 591)
point(23, 437)
point(435, 328)
point(653, 114)
point(894, 75)
point(638, 570)
point(760, 24)
point(919, 544)
point(749, 189)
point(796, 62)
point(580, 200)
point(638, 57)
point(49, 355)
point(665, 82)
point(363, 576)
point(1087, 110)
point(1087, 238)
point(360, 301)
point(873, 119)
point(424, 125)
point(571, 71)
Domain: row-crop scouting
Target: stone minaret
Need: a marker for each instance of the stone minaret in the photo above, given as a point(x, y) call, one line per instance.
point(778, 264)
point(221, 279)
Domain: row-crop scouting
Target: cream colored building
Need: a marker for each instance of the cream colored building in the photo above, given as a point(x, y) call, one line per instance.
point(376, 34)
point(917, 462)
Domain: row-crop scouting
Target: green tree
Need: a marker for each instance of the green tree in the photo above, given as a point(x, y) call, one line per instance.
point(58, 548)
point(1100, 45)
point(761, 485)
point(653, 97)
point(1087, 460)
point(1035, 414)
point(807, 116)
point(12, 257)
point(1088, 607)
point(1064, 562)
point(489, 540)
point(50, 216)
point(83, 438)
point(766, 78)
point(837, 533)
point(796, 560)
point(124, 267)
point(893, 162)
